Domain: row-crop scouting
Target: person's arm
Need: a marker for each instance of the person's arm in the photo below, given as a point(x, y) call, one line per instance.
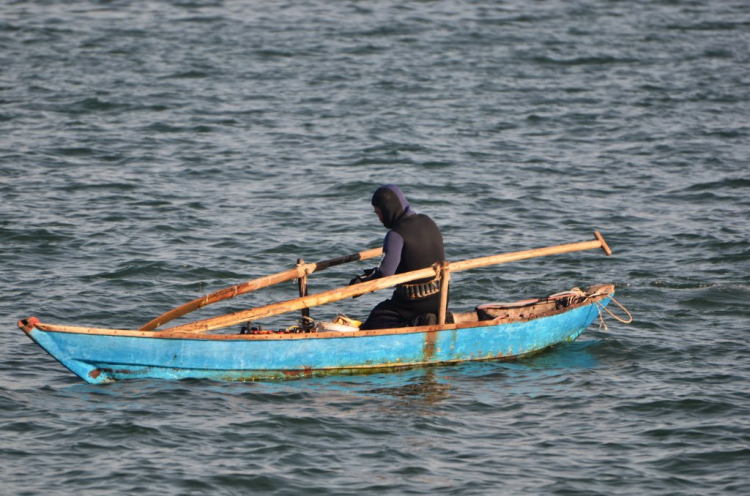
point(392, 246)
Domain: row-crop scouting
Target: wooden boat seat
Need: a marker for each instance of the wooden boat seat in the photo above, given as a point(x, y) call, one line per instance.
point(461, 317)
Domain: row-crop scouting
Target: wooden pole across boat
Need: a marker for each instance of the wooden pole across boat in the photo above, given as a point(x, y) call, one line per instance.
point(300, 271)
point(338, 294)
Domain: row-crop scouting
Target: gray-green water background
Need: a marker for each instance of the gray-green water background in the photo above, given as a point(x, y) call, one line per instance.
point(155, 151)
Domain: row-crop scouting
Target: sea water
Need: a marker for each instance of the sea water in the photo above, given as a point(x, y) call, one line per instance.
point(152, 152)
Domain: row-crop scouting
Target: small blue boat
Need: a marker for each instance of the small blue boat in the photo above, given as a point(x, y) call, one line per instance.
point(106, 355)
point(492, 331)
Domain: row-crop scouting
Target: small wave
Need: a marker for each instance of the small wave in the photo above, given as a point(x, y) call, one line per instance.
point(726, 183)
point(687, 285)
point(588, 60)
point(36, 236)
point(193, 74)
point(131, 269)
point(271, 54)
point(162, 127)
point(709, 26)
point(682, 406)
point(88, 105)
point(203, 19)
point(120, 187)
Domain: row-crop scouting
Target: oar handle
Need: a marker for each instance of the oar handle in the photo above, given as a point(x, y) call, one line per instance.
point(354, 257)
point(605, 246)
point(338, 294)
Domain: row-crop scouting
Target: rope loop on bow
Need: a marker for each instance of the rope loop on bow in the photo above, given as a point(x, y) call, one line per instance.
point(600, 307)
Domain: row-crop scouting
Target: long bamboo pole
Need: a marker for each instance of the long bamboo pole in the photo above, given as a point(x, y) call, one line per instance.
point(338, 294)
point(301, 270)
point(523, 255)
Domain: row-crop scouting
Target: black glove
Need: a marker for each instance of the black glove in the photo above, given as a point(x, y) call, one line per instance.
point(363, 277)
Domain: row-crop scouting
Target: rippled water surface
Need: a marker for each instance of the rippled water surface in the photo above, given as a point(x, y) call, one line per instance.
point(155, 151)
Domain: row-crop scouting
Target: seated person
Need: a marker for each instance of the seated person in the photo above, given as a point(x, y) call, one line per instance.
point(413, 242)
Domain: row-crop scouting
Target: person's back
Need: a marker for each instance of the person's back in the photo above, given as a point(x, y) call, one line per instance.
point(423, 247)
point(423, 243)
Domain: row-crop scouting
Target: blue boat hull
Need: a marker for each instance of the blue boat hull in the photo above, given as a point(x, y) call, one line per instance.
point(100, 358)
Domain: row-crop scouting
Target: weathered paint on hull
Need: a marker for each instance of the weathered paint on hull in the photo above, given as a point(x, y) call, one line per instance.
point(105, 358)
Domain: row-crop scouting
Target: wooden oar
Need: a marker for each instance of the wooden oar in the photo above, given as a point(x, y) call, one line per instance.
point(301, 270)
point(539, 252)
point(382, 283)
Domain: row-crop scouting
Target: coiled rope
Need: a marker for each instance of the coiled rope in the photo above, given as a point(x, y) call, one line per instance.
point(600, 307)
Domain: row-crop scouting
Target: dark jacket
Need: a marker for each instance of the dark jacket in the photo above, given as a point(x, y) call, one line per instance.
point(414, 242)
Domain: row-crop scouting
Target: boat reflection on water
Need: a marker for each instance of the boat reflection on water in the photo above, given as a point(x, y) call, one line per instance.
point(567, 356)
point(427, 385)
point(433, 384)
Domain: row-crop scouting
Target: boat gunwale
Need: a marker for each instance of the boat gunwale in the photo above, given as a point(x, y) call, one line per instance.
point(585, 301)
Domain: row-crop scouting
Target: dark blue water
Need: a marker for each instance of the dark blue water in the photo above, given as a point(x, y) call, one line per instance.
point(152, 152)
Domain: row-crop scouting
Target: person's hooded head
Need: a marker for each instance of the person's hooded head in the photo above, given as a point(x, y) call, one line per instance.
point(390, 204)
